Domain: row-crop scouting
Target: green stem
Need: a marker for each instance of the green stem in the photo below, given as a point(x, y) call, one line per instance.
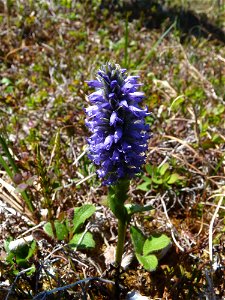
point(50, 217)
point(117, 197)
point(122, 228)
point(28, 201)
point(8, 154)
point(5, 166)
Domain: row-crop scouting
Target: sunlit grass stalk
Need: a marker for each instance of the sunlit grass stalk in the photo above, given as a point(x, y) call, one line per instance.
point(9, 156)
point(157, 43)
point(24, 194)
point(126, 39)
point(6, 167)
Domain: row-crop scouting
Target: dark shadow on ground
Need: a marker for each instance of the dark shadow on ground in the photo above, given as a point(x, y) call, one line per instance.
point(154, 14)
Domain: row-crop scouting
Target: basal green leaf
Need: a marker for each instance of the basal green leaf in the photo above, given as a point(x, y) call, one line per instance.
point(177, 103)
point(22, 254)
point(147, 179)
point(48, 229)
point(173, 178)
point(155, 243)
point(157, 180)
point(61, 230)
point(163, 168)
point(145, 186)
point(149, 262)
point(5, 81)
point(32, 249)
point(138, 239)
point(82, 241)
point(81, 214)
point(6, 244)
point(149, 169)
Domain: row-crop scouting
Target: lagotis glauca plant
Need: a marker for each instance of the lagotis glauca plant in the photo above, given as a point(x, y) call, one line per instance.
point(117, 146)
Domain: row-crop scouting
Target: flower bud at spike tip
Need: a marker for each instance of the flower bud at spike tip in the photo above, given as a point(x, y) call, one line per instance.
point(119, 134)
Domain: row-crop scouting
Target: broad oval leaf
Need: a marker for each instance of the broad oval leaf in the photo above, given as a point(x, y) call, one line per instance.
point(157, 180)
point(60, 228)
point(163, 168)
point(149, 262)
point(145, 186)
point(19, 243)
point(155, 243)
point(81, 214)
point(149, 169)
point(173, 178)
point(82, 241)
point(138, 239)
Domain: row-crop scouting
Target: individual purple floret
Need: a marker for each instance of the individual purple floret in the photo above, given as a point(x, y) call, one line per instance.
point(119, 134)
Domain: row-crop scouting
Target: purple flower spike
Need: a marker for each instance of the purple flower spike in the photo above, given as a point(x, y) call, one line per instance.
point(117, 122)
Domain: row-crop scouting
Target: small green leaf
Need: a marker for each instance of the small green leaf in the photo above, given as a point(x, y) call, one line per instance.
point(82, 241)
point(147, 179)
point(149, 169)
point(81, 214)
point(60, 228)
point(16, 244)
point(48, 229)
point(217, 139)
point(163, 168)
point(173, 178)
point(149, 262)
point(166, 176)
point(32, 270)
point(6, 244)
point(138, 239)
point(32, 249)
point(145, 186)
point(136, 208)
point(155, 243)
point(10, 257)
point(176, 104)
point(157, 180)
point(22, 254)
point(5, 81)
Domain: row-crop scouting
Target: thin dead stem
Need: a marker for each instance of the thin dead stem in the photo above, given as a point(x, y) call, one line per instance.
point(170, 224)
point(212, 223)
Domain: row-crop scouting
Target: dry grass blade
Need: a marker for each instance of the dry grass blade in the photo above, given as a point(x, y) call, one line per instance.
point(218, 206)
point(8, 195)
point(185, 144)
